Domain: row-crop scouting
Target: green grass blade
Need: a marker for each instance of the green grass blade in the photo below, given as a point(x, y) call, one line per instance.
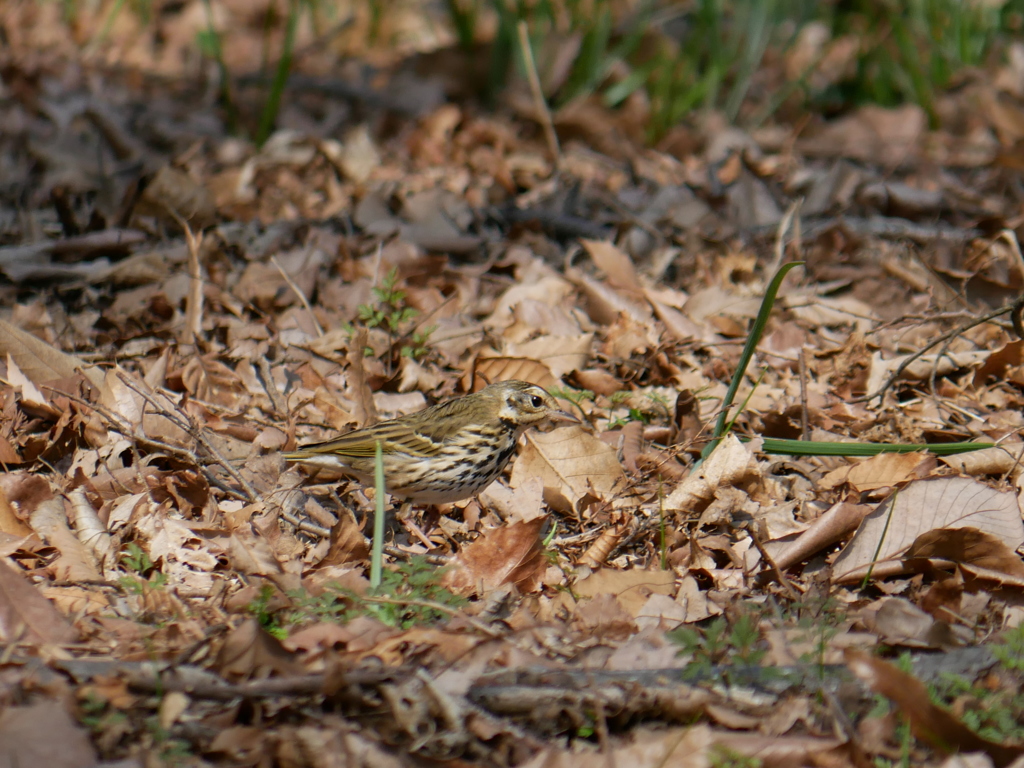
point(377, 554)
point(753, 339)
point(284, 67)
point(812, 448)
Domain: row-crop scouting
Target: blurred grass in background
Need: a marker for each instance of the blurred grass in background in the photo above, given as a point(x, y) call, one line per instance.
point(750, 59)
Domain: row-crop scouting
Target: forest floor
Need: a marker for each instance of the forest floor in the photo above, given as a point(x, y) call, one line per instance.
point(180, 306)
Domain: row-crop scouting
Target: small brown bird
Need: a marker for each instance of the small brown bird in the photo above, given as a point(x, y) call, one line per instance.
point(444, 453)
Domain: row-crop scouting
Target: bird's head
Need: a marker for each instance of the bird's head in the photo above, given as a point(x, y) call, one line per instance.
point(526, 405)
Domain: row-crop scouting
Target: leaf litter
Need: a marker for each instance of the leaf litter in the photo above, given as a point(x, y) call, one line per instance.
point(173, 593)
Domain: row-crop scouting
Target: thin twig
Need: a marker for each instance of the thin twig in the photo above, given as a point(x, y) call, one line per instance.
point(306, 526)
point(539, 104)
point(401, 554)
point(298, 292)
point(194, 298)
point(120, 425)
point(787, 585)
point(197, 433)
point(941, 339)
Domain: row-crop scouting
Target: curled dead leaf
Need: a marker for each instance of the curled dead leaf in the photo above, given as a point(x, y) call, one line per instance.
point(573, 465)
point(510, 554)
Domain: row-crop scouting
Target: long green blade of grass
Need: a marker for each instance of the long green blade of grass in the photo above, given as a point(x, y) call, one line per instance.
point(753, 339)
point(812, 448)
point(377, 554)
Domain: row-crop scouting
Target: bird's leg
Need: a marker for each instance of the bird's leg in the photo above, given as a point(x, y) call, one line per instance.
point(404, 517)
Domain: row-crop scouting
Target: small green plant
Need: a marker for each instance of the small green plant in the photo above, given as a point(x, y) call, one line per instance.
point(172, 751)
point(260, 610)
point(818, 621)
point(409, 595)
point(635, 414)
point(719, 644)
point(390, 313)
point(617, 398)
point(722, 756)
point(997, 715)
point(1010, 652)
point(574, 396)
point(95, 715)
point(146, 576)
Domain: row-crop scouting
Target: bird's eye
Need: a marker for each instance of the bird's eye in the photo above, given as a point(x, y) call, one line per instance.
point(536, 401)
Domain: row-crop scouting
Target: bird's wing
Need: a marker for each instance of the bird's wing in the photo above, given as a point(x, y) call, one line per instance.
point(394, 438)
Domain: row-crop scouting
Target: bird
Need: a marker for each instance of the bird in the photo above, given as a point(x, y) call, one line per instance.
point(447, 452)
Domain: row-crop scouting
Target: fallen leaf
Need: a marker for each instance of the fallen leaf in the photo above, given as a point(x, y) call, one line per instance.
point(41, 362)
point(926, 505)
point(510, 554)
point(27, 616)
point(43, 734)
point(250, 653)
point(968, 546)
point(927, 721)
point(572, 463)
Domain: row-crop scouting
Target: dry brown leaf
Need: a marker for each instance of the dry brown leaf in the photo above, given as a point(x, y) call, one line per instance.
point(1000, 460)
point(604, 304)
point(604, 617)
point(43, 734)
point(730, 464)
point(75, 563)
point(252, 554)
point(251, 653)
point(834, 525)
point(616, 265)
point(595, 555)
point(926, 505)
point(519, 504)
point(510, 554)
point(596, 380)
point(679, 326)
point(886, 470)
point(39, 361)
point(10, 522)
point(573, 465)
point(27, 616)
point(90, 529)
point(630, 588)
point(241, 743)
point(487, 370)
point(173, 194)
point(873, 134)
point(899, 622)
point(357, 157)
point(930, 723)
point(687, 747)
point(559, 354)
point(347, 543)
point(546, 287)
point(968, 546)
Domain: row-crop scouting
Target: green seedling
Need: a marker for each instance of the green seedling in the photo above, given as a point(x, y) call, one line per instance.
point(135, 559)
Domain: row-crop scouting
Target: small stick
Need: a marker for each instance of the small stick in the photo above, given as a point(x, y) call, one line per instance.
point(300, 294)
point(792, 591)
point(115, 421)
point(194, 298)
point(543, 113)
point(940, 340)
point(197, 434)
point(805, 429)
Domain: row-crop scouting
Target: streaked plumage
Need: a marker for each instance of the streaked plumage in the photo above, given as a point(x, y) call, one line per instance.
point(444, 453)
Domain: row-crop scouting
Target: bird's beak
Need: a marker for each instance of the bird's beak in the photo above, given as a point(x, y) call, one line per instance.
point(563, 416)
